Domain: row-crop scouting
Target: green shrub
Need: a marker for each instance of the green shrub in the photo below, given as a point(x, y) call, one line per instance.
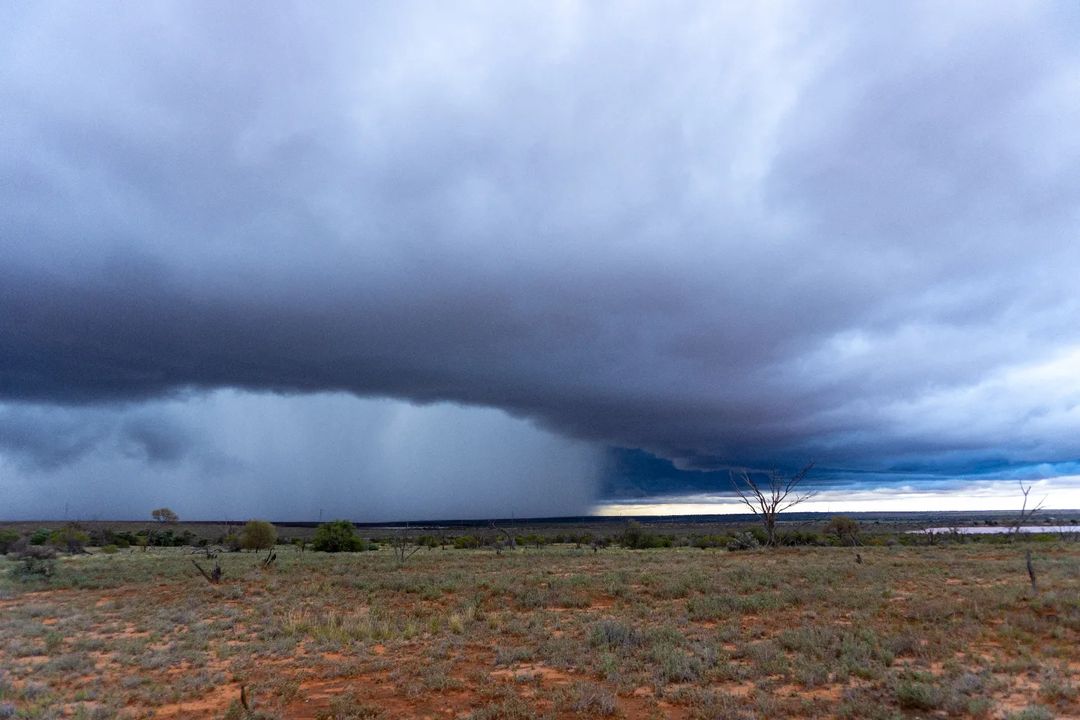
point(612, 634)
point(532, 539)
point(122, 539)
point(35, 562)
point(711, 607)
point(844, 529)
point(743, 541)
point(258, 535)
point(69, 538)
point(673, 665)
point(513, 708)
point(7, 539)
point(637, 538)
point(40, 536)
point(1031, 712)
point(710, 541)
point(913, 695)
point(592, 700)
point(110, 549)
point(466, 542)
point(800, 537)
point(156, 537)
point(428, 541)
point(337, 536)
point(352, 706)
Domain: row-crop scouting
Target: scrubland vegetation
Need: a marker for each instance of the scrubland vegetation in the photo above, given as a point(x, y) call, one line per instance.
point(492, 624)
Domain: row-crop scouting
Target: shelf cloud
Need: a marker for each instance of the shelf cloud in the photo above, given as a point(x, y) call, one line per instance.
point(737, 235)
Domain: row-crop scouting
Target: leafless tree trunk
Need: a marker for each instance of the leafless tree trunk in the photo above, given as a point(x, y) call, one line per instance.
point(773, 496)
point(403, 547)
point(1025, 514)
point(213, 577)
point(1031, 573)
point(510, 542)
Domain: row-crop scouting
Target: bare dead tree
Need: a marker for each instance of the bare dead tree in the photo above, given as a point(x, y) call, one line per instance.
point(1025, 513)
point(213, 577)
point(767, 499)
point(510, 542)
point(1031, 573)
point(402, 545)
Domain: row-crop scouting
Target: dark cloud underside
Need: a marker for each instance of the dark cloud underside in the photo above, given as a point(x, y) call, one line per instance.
point(726, 235)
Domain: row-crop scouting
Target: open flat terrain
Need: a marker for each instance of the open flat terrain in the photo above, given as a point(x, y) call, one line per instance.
point(557, 632)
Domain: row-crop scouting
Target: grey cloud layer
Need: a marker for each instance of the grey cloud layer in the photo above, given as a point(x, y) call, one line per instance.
point(234, 455)
point(748, 234)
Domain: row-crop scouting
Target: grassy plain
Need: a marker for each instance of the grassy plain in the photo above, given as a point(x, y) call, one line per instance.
point(556, 632)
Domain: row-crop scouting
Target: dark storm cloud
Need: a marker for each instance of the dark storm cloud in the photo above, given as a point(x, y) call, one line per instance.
point(45, 438)
point(727, 235)
point(157, 440)
point(231, 454)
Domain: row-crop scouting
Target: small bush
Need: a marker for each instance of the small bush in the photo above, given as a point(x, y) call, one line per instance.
point(7, 539)
point(69, 538)
point(1056, 689)
point(35, 562)
point(351, 706)
point(466, 542)
point(844, 529)
point(258, 535)
point(637, 538)
point(913, 695)
point(673, 665)
point(236, 711)
point(510, 709)
point(36, 552)
point(710, 541)
point(593, 700)
point(799, 537)
point(337, 536)
point(15, 548)
point(1031, 712)
point(110, 549)
point(613, 634)
point(710, 607)
point(743, 541)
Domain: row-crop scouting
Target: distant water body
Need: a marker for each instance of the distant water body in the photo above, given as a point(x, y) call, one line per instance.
point(1004, 529)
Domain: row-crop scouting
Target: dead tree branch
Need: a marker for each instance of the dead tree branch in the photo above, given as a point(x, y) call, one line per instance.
point(1031, 573)
point(1025, 514)
point(213, 577)
point(510, 542)
point(402, 545)
point(767, 499)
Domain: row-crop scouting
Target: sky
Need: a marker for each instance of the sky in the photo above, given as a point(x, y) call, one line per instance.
point(430, 260)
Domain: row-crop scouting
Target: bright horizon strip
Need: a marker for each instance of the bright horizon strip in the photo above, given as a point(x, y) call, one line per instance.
point(1060, 493)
